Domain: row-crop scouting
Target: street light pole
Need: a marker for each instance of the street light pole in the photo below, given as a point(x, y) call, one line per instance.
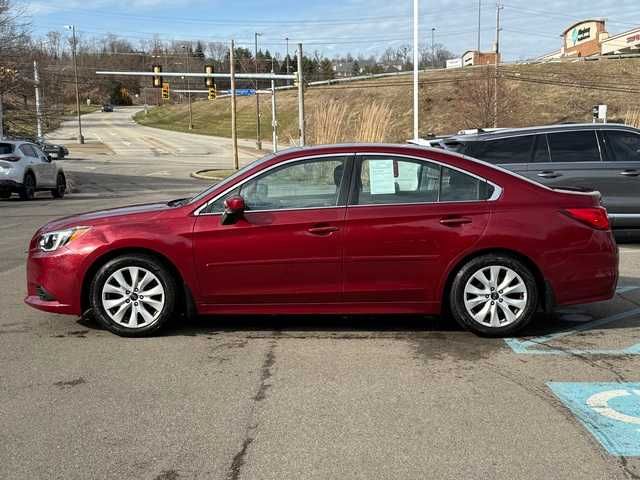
point(287, 58)
point(479, 20)
point(415, 69)
point(433, 48)
point(75, 74)
point(258, 136)
point(188, 52)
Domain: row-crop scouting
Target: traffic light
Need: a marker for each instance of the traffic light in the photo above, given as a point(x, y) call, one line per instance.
point(209, 81)
point(157, 76)
point(165, 91)
point(213, 93)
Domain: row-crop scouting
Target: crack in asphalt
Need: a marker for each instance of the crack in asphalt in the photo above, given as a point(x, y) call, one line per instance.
point(261, 393)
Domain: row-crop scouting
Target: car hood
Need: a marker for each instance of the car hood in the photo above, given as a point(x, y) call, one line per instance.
point(146, 211)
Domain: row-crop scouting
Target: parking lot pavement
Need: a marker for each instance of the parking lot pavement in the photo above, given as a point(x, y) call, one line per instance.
point(309, 397)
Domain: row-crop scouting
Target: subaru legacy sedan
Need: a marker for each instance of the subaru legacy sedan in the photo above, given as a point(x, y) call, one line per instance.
point(346, 229)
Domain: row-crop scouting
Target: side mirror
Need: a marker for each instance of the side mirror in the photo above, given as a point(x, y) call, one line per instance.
point(49, 158)
point(233, 209)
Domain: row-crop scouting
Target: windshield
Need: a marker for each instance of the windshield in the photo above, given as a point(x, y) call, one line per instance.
point(230, 178)
point(6, 148)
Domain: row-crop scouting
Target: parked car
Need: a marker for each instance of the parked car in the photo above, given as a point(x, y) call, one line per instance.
point(346, 229)
point(25, 169)
point(60, 151)
point(604, 157)
point(107, 108)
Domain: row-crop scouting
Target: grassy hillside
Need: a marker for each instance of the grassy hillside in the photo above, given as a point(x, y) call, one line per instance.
point(449, 101)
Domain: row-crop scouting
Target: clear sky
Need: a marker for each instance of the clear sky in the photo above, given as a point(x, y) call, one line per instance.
point(530, 28)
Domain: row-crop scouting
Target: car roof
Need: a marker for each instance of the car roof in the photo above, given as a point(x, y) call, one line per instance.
point(514, 132)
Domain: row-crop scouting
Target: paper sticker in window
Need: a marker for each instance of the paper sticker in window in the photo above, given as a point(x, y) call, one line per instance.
point(381, 178)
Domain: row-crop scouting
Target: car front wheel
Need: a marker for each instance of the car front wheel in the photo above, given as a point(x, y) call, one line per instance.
point(133, 295)
point(494, 295)
point(28, 190)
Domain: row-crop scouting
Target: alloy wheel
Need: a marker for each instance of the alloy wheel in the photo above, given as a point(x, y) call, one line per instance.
point(495, 296)
point(133, 297)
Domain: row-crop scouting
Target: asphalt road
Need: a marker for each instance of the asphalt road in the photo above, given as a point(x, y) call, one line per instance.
point(390, 397)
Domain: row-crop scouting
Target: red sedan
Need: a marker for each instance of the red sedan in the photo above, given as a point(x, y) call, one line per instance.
point(346, 229)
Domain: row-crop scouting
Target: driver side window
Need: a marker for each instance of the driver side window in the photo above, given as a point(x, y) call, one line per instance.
point(314, 183)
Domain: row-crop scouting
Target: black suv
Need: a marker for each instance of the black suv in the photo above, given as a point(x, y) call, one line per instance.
point(603, 157)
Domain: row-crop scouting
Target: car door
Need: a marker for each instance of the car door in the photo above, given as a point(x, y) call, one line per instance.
point(620, 182)
point(407, 219)
point(47, 166)
point(287, 247)
point(567, 159)
point(32, 163)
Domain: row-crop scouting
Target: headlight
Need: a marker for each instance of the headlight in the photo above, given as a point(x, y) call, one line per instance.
point(53, 240)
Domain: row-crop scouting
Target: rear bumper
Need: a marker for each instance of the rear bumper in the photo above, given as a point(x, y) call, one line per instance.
point(585, 273)
point(10, 185)
point(58, 274)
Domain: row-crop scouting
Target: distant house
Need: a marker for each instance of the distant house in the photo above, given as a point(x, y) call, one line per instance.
point(345, 69)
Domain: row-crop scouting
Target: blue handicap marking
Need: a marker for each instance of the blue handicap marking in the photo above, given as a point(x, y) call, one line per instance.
point(539, 345)
point(610, 411)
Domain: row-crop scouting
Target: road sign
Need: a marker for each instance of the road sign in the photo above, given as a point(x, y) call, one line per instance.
point(165, 91)
point(610, 411)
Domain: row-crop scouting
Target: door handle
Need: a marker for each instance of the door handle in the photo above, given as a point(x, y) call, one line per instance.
point(325, 230)
point(549, 174)
point(454, 221)
point(630, 173)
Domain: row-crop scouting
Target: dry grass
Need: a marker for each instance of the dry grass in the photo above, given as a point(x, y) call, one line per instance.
point(327, 123)
point(375, 122)
point(632, 118)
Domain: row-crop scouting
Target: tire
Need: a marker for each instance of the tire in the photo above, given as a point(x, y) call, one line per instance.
point(113, 299)
point(61, 187)
point(4, 194)
point(28, 190)
point(60, 154)
point(498, 312)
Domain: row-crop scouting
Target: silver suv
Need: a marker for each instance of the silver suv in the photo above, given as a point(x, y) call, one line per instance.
point(25, 169)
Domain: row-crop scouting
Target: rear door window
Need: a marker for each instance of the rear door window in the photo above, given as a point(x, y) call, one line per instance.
point(580, 146)
point(506, 150)
point(622, 146)
point(541, 150)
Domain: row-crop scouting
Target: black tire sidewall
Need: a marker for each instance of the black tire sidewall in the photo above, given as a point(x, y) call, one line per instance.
point(24, 193)
point(456, 297)
point(135, 260)
point(56, 192)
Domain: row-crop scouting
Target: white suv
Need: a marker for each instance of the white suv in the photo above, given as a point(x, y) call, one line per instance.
point(25, 169)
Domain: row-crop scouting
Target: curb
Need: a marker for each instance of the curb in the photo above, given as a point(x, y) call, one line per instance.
point(202, 175)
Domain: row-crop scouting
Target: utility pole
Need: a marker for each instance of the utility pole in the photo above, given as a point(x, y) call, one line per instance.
point(415, 70)
point(479, 20)
point(495, 80)
point(234, 126)
point(188, 52)
point(301, 97)
point(287, 57)
point(258, 136)
point(36, 82)
point(75, 74)
point(274, 118)
point(1, 118)
point(433, 47)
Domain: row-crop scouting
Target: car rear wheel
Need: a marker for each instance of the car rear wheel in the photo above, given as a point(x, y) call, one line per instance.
point(61, 187)
point(133, 295)
point(60, 154)
point(494, 295)
point(28, 190)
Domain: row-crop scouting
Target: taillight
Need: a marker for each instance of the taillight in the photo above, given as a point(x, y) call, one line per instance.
point(595, 217)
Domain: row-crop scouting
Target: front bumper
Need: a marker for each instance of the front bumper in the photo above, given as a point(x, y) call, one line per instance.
point(54, 281)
